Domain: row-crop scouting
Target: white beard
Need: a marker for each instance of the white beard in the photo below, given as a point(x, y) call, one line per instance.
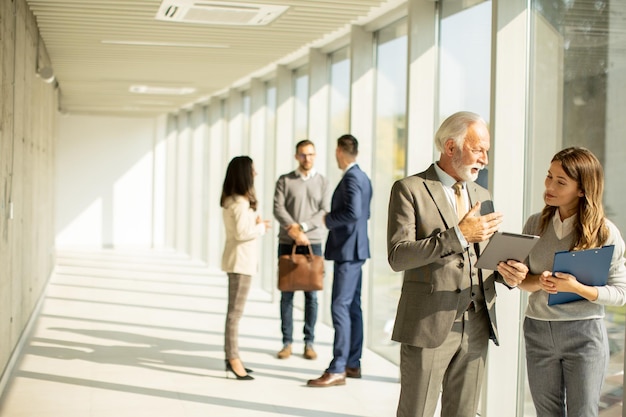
point(464, 171)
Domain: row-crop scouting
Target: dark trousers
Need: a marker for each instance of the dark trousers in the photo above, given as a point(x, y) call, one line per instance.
point(347, 316)
point(310, 302)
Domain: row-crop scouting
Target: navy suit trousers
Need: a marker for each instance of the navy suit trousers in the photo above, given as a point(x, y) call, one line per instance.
point(347, 316)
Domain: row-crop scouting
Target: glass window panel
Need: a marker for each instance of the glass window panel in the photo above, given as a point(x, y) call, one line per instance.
point(339, 108)
point(339, 105)
point(465, 58)
point(465, 62)
point(389, 166)
point(301, 105)
point(578, 77)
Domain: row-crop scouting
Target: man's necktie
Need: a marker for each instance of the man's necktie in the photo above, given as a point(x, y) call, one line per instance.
point(460, 202)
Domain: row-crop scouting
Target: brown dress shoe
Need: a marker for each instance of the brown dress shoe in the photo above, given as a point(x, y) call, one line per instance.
point(285, 352)
point(328, 380)
point(353, 372)
point(309, 353)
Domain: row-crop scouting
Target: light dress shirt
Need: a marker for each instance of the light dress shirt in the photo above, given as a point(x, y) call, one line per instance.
point(447, 181)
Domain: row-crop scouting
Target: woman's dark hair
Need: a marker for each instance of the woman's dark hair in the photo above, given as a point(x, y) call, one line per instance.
point(239, 180)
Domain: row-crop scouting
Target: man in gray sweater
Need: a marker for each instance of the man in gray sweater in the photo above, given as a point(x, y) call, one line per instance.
point(301, 200)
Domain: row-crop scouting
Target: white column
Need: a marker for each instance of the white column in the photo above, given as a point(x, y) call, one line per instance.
point(284, 119)
point(183, 147)
point(235, 123)
point(362, 94)
point(205, 186)
point(197, 227)
point(171, 138)
point(422, 21)
point(257, 146)
point(318, 106)
point(361, 127)
point(263, 153)
point(508, 170)
point(159, 189)
point(216, 169)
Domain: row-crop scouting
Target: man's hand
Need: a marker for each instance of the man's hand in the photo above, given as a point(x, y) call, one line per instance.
point(513, 272)
point(476, 228)
point(295, 232)
point(302, 239)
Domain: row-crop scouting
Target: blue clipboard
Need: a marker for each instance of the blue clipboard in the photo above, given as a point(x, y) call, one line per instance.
point(590, 266)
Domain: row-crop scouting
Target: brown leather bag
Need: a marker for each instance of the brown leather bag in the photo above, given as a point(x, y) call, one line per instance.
point(297, 272)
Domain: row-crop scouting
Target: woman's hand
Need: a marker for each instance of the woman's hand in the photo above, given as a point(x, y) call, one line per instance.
point(268, 223)
point(564, 282)
point(546, 283)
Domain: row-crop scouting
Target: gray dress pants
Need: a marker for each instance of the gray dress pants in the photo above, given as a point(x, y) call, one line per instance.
point(238, 288)
point(566, 363)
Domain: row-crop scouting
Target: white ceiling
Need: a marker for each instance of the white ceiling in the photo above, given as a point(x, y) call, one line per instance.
point(98, 49)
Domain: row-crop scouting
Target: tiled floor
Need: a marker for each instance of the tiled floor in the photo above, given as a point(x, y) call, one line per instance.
point(141, 334)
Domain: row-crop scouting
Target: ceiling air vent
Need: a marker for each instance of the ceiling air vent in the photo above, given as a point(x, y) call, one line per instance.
point(218, 13)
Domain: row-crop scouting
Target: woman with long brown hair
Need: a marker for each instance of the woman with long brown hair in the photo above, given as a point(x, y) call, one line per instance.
point(240, 258)
point(567, 344)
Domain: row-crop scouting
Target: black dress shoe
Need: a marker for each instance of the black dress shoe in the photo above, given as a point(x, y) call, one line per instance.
point(353, 372)
point(246, 377)
point(226, 363)
point(328, 380)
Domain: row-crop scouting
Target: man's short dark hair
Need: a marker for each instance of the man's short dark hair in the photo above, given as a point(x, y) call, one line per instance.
point(348, 144)
point(304, 142)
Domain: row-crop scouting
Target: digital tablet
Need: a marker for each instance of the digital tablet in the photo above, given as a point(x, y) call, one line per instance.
point(504, 246)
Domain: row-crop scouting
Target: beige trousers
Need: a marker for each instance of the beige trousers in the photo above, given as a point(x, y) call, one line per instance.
point(238, 288)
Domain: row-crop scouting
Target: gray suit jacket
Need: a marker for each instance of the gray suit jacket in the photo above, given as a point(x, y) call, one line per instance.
point(422, 242)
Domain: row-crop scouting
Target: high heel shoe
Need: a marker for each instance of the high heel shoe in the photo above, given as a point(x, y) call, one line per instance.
point(229, 368)
point(226, 363)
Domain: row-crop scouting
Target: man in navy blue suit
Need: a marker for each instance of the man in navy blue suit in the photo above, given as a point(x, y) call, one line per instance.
point(348, 246)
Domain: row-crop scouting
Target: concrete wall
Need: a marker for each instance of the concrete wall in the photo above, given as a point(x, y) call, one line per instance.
point(28, 131)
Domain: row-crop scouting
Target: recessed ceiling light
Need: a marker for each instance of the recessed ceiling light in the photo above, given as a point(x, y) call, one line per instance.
point(171, 91)
point(175, 44)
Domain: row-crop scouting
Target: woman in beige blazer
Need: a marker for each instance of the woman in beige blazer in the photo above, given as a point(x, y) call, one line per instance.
point(240, 258)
